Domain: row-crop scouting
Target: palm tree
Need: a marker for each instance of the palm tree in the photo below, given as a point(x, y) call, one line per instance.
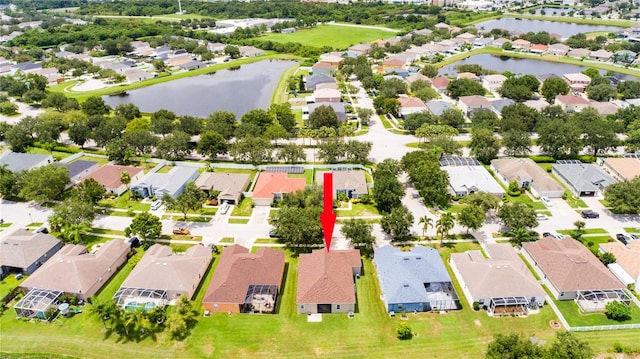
point(73, 232)
point(125, 178)
point(520, 234)
point(445, 223)
point(426, 222)
point(577, 234)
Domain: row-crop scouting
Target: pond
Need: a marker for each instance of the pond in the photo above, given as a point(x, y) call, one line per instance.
point(520, 66)
point(564, 29)
point(551, 11)
point(238, 91)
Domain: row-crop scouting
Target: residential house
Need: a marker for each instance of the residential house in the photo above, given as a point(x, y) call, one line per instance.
point(469, 104)
point(423, 32)
point(137, 75)
point(409, 105)
point(493, 82)
point(351, 183)
point(216, 47)
point(558, 49)
point(583, 179)
point(622, 169)
point(539, 49)
point(161, 277)
point(338, 108)
point(26, 67)
point(522, 45)
point(537, 105)
point(192, 65)
point(467, 37)
point(109, 176)
point(627, 266)
point(17, 162)
point(500, 103)
point(326, 281)
point(442, 26)
point(271, 187)
point(528, 175)
point(500, 282)
point(625, 57)
point(438, 107)
point(171, 183)
point(572, 103)
point(51, 74)
point(246, 282)
point(229, 186)
point(482, 42)
point(414, 281)
point(601, 55)
point(542, 77)
point(250, 51)
point(572, 272)
point(468, 76)
point(467, 176)
point(79, 169)
point(500, 42)
point(23, 252)
point(74, 271)
point(440, 84)
point(332, 59)
point(323, 68)
point(312, 81)
point(579, 53)
point(417, 77)
point(359, 50)
point(604, 108)
point(391, 64)
point(327, 95)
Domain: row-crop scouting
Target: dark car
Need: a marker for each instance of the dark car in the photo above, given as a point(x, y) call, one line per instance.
point(622, 238)
point(274, 234)
point(590, 214)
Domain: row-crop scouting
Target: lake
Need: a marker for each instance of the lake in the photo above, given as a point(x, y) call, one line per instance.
point(550, 11)
point(564, 29)
point(237, 91)
point(521, 66)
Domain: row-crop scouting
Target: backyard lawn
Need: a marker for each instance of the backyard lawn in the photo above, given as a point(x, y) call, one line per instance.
point(335, 36)
point(575, 317)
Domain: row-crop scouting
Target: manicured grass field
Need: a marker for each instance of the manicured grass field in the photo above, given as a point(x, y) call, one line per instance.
point(101, 160)
point(335, 36)
point(576, 318)
point(8, 283)
point(57, 155)
point(358, 209)
point(244, 209)
point(123, 202)
point(586, 231)
point(238, 220)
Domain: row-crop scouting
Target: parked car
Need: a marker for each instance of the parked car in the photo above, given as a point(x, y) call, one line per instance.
point(590, 214)
point(273, 234)
point(622, 238)
point(181, 230)
point(634, 237)
point(134, 242)
point(156, 205)
point(554, 235)
point(224, 208)
point(546, 201)
point(542, 217)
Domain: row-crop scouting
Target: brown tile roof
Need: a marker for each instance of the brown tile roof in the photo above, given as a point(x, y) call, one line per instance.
point(161, 269)
point(73, 270)
point(411, 102)
point(230, 185)
point(327, 277)
point(324, 65)
point(570, 266)
point(467, 75)
point(21, 248)
point(270, 183)
point(572, 100)
point(109, 175)
point(502, 275)
point(519, 168)
point(539, 47)
point(628, 168)
point(440, 82)
point(475, 100)
point(628, 257)
point(238, 269)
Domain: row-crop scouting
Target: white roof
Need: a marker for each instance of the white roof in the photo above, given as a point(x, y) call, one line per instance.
point(472, 178)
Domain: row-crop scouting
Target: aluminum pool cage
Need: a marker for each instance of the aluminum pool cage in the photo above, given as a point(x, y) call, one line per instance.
point(140, 298)
point(36, 303)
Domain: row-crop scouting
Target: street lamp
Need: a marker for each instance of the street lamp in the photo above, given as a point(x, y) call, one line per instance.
point(31, 218)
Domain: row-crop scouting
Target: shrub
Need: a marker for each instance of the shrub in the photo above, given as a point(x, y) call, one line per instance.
point(366, 199)
point(476, 306)
point(618, 311)
point(543, 159)
point(403, 331)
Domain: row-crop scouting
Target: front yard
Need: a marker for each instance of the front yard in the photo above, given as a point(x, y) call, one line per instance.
point(123, 202)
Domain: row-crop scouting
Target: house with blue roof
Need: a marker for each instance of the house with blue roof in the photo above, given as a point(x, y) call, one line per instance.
point(414, 281)
point(172, 183)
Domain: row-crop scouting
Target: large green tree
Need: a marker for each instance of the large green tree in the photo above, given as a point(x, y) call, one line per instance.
point(191, 199)
point(464, 87)
point(624, 197)
point(45, 183)
point(298, 220)
point(517, 215)
point(553, 87)
point(472, 217)
point(358, 232)
point(484, 144)
point(397, 223)
point(145, 225)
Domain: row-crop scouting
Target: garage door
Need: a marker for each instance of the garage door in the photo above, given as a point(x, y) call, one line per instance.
point(324, 308)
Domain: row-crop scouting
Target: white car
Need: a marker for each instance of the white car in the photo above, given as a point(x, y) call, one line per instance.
point(224, 208)
point(546, 201)
point(542, 217)
point(156, 205)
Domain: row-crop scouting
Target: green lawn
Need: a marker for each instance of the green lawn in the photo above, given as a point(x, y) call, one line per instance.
point(123, 202)
point(180, 218)
point(632, 229)
point(335, 36)
point(106, 231)
point(358, 209)
point(307, 175)
point(238, 220)
point(244, 209)
point(8, 283)
point(525, 199)
point(165, 169)
point(266, 241)
point(586, 231)
point(101, 160)
point(575, 202)
point(576, 318)
point(57, 155)
point(227, 240)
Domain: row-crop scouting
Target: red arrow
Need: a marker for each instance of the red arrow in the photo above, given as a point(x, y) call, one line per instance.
point(328, 218)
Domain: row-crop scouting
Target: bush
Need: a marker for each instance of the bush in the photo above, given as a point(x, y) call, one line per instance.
point(403, 331)
point(543, 159)
point(366, 199)
point(476, 306)
point(618, 311)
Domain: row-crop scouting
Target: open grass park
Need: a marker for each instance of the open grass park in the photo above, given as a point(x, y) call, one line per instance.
point(370, 334)
point(337, 36)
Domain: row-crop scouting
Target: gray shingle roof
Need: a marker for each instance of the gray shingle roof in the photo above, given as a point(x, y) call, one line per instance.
point(583, 177)
point(17, 162)
point(21, 248)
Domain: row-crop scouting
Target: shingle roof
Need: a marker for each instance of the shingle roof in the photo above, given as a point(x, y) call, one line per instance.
point(73, 270)
point(270, 183)
point(628, 257)
point(570, 266)
point(77, 167)
point(628, 168)
point(440, 82)
point(411, 102)
point(503, 274)
point(238, 269)
point(327, 277)
point(349, 180)
point(21, 248)
point(17, 162)
point(475, 100)
point(572, 100)
point(230, 185)
point(472, 178)
point(403, 275)
point(169, 182)
point(519, 168)
point(161, 269)
point(583, 176)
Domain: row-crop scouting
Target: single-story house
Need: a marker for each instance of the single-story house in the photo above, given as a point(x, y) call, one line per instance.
point(161, 277)
point(625, 56)
point(558, 49)
point(332, 58)
point(577, 81)
point(500, 42)
point(469, 104)
point(172, 183)
point(501, 282)
point(271, 186)
point(216, 47)
point(572, 272)
point(437, 107)
point(326, 281)
point(440, 84)
point(79, 169)
point(582, 179)
point(627, 266)
point(246, 282)
point(537, 105)
point(464, 180)
point(313, 81)
point(75, 271)
point(499, 103)
point(604, 108)
point(137, 75)
point(466, 37)
point(23, 252)
point(622, 169)
point(327, 95)
point(572, 103)
point(468, 76)
point(250, 51)
point(323, 68)
point(414, 281)
point(482, 42)
point(109, 177)
point(528, 174)
point(350, 182)
point(16, 161)
point(338, 108)
point(521, 44)
point(493, 82)
point(601, 55)
point(359, 50)
point(192, 65)
point(579, 53)
point(230, 185)
point(417, 77)
point(539, 49)
point(409, 105)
